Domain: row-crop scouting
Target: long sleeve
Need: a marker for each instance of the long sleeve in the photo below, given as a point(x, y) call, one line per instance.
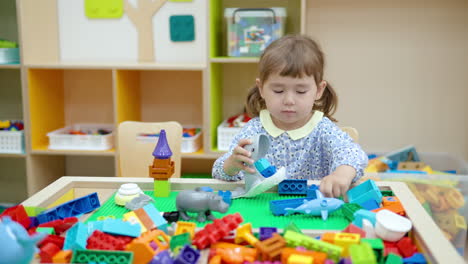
point(250, 129)
point(341, 149)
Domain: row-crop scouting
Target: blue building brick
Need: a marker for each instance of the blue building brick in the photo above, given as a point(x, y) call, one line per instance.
point(156, 217)
point(292, 187)
point(265, 168)
point(119, 227)
point(71, 208)
point(187, 255)
point(267, 232)
point(76, 237)
point(227, 196)
point(361, 214)
point(162, 257)
point(363, 192)
point(312, 191)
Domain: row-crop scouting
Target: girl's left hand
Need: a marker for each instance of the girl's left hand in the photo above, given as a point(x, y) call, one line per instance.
point(337, 183)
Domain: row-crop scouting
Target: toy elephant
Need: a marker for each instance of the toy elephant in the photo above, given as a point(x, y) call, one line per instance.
point(256, 183)
point(201, 202)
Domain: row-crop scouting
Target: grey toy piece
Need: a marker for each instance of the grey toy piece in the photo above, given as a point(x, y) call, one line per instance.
point(255, 183)
point(201, 202)
point(138, 202)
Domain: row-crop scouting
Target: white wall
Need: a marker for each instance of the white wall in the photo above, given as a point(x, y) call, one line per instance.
point(106, 40)
point(400, 69)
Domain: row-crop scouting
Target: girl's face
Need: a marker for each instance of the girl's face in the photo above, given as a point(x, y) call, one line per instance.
point(290, 100)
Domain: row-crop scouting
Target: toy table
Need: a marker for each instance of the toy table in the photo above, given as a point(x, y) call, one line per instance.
point(427, 236)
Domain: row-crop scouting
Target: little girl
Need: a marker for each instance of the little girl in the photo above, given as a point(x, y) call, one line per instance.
point(293, 106)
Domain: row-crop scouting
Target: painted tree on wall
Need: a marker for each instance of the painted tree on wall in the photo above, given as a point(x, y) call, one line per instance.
point(142, 18)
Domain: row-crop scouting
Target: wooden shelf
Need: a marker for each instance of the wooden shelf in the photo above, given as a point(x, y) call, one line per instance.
point(118, 65)
point(234, 60)
point(11, 155)
point(10, 66)
point(200, 154)
point(43, 150)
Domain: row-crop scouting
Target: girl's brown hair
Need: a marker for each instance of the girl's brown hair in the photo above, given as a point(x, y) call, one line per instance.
point(294, 56)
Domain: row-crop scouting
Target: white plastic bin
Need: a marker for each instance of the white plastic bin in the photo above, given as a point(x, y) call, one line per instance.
point(225, 135)
point(12, 142)
point(9, 55)
point(61, 139)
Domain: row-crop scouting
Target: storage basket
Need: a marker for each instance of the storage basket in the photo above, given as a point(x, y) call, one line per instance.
point(225, 135)
point(9, 55)
point(61, 139)
point(189, 144)
point(12, 142)
point(251, 30)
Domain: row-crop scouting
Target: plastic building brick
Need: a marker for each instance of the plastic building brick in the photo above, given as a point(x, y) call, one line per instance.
point(132, 218)
point(18, 214)
point(300, 259)
point(270, 249)
point(362, 254)
point(182, 28)
point(162, 188)
point(311, 192)
point(226, 196)
point(119, 227)
point(416, 258)
point(46, 230)
point(264, 167)
point(370, 204)
point(231, 253)
point(319, 257)
point(215, 231)
point(391, 247)
point(293, 227)
point(76, 237)
point(199, 202)
point(408, 153)
point(171, 216)
point(345, 240)
point(393, 259)
point(144, 219)
point(54, 239)
point(244, 233)
point(138, 202)
point(162, 258)
point(16, 246)
point(349, 209)
point(102, 241)
point(47, 252)
point(363, 192)
point(126, 193)
point(71, 208)
point(61, 225)
point(377, 246)
point(406, 247)
point(293, 187)
point(178, 241)
point(345, 261)
point(278, 207)
point(294, 239)
point(397, 208)
point(98, 256)
point(63, 256)
point(156, 217)
point(267, 232)
point(185, 227)
point(147, 245)
point(361, 214)
point(187, 255)
point(387, 193)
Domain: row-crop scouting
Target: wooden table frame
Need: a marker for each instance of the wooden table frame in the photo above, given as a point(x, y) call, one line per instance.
point(429, 237)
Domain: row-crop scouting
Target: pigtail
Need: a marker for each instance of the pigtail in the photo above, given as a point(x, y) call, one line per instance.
point(328, 102)
point(255, 102)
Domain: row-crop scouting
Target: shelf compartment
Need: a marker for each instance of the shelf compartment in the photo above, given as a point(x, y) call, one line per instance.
point(218, 35)
point(150, 96)
point(118, 65)
point(229, 85)
point(11, 106)
point(58, 98)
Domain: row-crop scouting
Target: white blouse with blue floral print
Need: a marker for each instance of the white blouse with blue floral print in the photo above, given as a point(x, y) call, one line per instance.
point(313, 156)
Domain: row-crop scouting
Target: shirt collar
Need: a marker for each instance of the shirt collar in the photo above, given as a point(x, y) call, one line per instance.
point(295, 134)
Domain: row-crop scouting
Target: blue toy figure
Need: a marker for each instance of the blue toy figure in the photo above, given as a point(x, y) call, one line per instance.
point(320, 206)
point(16, 246)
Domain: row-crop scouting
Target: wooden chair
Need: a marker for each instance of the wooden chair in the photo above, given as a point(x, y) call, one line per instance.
point(352, 132)
point(136, 155)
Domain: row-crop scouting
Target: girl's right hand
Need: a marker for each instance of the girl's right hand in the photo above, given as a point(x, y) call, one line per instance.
point(239, 160)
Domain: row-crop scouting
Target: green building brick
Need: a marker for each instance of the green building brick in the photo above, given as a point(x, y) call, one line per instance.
point(179, 241)
point(393, 259)
point(47, 230)
point(362, 254)
point(377, 246)
point(162, 188)
point(102, 256)
point(349, 209)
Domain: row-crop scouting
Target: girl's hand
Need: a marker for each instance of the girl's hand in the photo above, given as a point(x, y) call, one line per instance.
point(337, 183)
point(239, 160)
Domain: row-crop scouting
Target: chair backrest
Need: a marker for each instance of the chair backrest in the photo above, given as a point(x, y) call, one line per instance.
point(135, 155)
point(352, 132)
